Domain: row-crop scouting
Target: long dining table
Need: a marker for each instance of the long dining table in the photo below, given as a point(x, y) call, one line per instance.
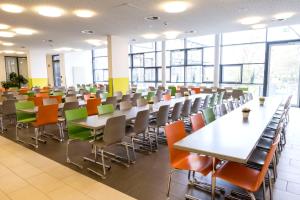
point(231, 137)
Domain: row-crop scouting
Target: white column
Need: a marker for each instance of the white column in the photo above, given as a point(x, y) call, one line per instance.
point(118, 68)
point(217, 59)
point(37, 68)
point(163, 64)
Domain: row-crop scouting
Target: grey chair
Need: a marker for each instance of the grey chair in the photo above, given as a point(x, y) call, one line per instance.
point(98, 94)
point(118, 94)
point(112, 100)
point(230, 106)
point(135, 97)
point(175, 115)
point(141, 102)
point(8, 112)
point(140, 127)
point(250, 96)
point(49, 101)
point(113, 133)
point(186, 109)
point(237, 93)
point(125, 105)
point(207, 90)
point(196, 105)
point(159, 94)
point(178, 95)
point(158, 122)
point(206, 102)
point(183, 90)
point(126, 97)
point(72, 98)
point(223, 109)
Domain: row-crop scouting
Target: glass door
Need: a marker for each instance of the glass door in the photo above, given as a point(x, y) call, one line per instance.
point(56, 70)
point(284, 70)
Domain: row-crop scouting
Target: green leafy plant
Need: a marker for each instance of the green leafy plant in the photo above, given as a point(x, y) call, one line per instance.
point(14, 81)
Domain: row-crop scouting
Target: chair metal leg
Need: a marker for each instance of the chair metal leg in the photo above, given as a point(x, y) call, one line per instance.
point(264, 190)
point(169, 183)
point(133, 148)
point(127, 153)
point(1, 124)
point(102, 159)
point(36, 131)
point(68, 158)
point(270, 185)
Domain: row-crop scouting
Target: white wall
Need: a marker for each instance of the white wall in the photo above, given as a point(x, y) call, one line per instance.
point(2, 68)
point(37, 64)
point(49, 69)
point(78, 66)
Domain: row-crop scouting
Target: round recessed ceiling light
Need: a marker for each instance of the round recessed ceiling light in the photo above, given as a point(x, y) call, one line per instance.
point(259, 26)
point(24, 31)
point(175, 6)
point(63, 49)
point(95, 42)
point(150, 36)
point(4, 26)
point(8, 44)
point(250, 20)
point(7, 34)
point(49, 11)
point(283, 16)
point(171, 34)
point(88, 32)
point(12, 8)
point(84, 13)
point(8, 51)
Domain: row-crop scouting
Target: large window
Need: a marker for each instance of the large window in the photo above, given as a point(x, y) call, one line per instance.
point(100, 65)
point(145, 63)
point(190, 61)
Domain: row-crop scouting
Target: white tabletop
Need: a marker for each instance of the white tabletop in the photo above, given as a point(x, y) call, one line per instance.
point(230, 137)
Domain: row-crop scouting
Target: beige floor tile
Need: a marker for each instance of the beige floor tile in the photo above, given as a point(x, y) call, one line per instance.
point(3, 170)
point(26, 170)
point(103, 192)
point(60, 172)
point(11, 182)
point(12, 161)
point(3, 196)
point(80, 182)
point(45, 182)
point(28, 193)
point(67, 193)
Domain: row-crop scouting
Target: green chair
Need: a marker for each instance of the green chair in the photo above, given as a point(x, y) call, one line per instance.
point(30, 93)
point(173, 90)
point(93, 90)
point(209, 115)
point(57, 94)
point(24, 117)
point(104, 95)
point(150, 95)
point(213, 100)
point(76, 132)
point(105, 109)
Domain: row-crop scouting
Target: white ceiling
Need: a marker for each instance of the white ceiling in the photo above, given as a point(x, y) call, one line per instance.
point(126, 18)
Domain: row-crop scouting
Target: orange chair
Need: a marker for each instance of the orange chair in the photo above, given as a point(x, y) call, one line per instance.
point(46, 115)
point(38, 101)
point(91, 106)
point(86, 97)
point(58, 98)
point(248, 178)
point(183, 160)
point(23, 90)
point(197, 122)
point(196, 90)
point(45, 95)
point(167, 97)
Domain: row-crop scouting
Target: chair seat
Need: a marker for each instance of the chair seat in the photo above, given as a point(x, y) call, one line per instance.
point(269, 133)
point(27, 120)
point(265, 143)
point(239, 175)
point(194, 162)
point(273, 126)
point(258, 157)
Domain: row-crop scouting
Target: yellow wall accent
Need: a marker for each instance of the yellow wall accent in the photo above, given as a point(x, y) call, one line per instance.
point(41, 82)
point(118, 84)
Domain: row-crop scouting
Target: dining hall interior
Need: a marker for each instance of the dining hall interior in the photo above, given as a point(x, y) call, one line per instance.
point(149, 99)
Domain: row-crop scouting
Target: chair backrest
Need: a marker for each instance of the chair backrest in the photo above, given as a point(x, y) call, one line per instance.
point(162, 115)
point(220, 98)
point(155, 99)
point(8, 107)
point(71, 99)
point(209, 115)
point(126, 97)
point(49, 101)
point(24, 105)
point(197, 122)
point(141, 122)
point(237, 93)
point(167, 97)
point(230, 106)
point(241, 100)
point(112, 100)
point(114, 130)
point(183, 90)
point(75, 114)
point(173, 90)
point(38, 101)
point(223, 109)
point(141, 102)
point(176, 111)
point(118, 94)
point(44, 95)
point(175, 132)
point(267, 162)
point(207, 90)
point(125, 105)
point(196, 105)
point(150, 95)
point(250, 96)
point(135, 97)
point(196, 90)
point(213, 100)
point(206, 102)
point(186, 109)
point(159, 95)
point(86, 97)
point(105, 109)
point(47, 115)
point(91, 106)
point(70, 106)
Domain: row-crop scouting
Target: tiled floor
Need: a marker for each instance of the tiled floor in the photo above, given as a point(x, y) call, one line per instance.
point(27, 175)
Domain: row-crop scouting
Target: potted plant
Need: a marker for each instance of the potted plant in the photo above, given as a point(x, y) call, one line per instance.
point(14, 81)
point(261, 100)
point(246, 112)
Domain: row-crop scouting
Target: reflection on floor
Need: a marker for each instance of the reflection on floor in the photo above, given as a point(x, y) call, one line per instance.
point(24, 172)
